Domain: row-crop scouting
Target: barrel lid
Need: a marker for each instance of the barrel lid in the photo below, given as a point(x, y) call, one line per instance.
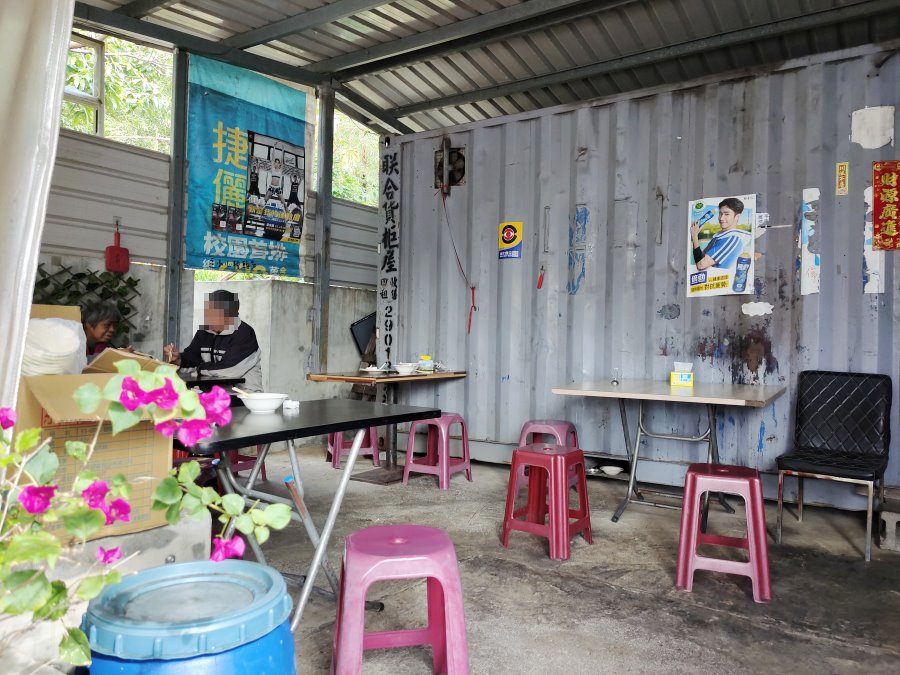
point(187, 609)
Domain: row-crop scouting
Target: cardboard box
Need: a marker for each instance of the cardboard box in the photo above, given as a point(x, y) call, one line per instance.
point(677, 379)
point(140, 453)
point(105, 361)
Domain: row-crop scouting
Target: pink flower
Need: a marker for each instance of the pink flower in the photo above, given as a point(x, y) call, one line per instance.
point(227, 548)
point(217, 404)
point(117, 509)
point(7, 418)
point(95, 494)
point(165, 397)
point(108, 557)
point(192, 431)
point(167, 428)
point(132, 395)
point(36, 499)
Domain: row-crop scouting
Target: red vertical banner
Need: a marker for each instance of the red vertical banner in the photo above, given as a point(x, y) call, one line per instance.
point(885, 206)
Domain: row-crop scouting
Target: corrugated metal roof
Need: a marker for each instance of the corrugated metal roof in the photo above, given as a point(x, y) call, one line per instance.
point(414, 65)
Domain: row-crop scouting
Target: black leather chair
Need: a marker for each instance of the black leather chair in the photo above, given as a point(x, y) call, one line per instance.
point(842, 433)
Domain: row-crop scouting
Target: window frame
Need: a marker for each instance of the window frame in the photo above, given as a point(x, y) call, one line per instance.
point(94, 100)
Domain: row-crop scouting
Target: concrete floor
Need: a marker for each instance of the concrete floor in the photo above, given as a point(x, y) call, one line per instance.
point(613, 607)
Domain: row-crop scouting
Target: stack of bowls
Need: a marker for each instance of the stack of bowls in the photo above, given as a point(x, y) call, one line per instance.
point(406, 368)
point(52, 347)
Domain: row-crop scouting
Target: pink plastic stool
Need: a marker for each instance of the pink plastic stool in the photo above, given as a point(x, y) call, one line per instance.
point(401, 552)
point(563, 433)
point(548, 492)
point(437, 459)
point(735, 480)
point(338, 447)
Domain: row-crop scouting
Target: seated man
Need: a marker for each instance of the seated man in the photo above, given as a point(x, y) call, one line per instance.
point(224, 347)
point(100, 321)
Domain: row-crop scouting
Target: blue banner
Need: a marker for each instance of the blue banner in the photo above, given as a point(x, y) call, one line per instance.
point(246, 171)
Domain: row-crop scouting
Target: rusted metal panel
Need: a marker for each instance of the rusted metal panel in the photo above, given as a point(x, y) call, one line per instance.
point(602, 191)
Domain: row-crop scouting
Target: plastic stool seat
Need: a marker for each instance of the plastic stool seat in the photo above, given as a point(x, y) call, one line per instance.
point(735, 480)
point(563, 432)
point(437, 459)
point(338, 447)
point(548, 495)
point(391, 552)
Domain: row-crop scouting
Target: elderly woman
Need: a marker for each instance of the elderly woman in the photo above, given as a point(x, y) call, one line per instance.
point(100, 321)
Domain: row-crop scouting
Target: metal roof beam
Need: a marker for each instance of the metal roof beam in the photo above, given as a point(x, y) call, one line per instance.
point(141, 8)
point(373, 112)
point(448, 33)
point(300, 22)
point(511, 30)
point(195, 45)
point(774, 29)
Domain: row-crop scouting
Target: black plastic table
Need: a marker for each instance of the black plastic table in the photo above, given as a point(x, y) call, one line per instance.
point(314, 418)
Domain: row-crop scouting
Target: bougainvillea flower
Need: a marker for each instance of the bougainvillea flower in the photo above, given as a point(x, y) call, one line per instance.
point(167, 428)
point(132, 395)
point(36, 499)
point(192, 431)
point(165, 397)
point(7, 418)
point(108, 557)
point(227, 548)
point(95, 494)
point(117, 509)
point(217, 404)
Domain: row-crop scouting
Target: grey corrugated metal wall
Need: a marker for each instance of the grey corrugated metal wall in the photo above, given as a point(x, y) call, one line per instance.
point(773, 133)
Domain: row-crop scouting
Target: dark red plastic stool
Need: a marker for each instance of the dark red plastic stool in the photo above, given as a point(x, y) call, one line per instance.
point(734, 480)
point(548, 494)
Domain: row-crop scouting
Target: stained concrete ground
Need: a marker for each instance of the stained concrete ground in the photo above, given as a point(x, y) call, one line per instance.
point(612, 607)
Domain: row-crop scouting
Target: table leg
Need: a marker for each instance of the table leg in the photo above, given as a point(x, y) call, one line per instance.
point(389, 472)
point(226, 479)
point(634, 458)
point(327, 529)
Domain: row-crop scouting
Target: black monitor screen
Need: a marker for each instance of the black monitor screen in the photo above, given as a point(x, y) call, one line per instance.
point(362, 331)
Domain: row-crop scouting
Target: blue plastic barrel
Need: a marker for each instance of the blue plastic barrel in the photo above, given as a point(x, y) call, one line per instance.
point(231, 617)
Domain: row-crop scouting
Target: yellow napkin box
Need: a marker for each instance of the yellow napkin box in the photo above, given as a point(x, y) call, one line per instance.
point(677, 379)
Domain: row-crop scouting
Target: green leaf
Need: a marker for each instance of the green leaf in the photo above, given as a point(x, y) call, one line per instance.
point(188, 400)
point(25, 591)
point(258, 515)
point(90, 587)
point(172, 373)
point(112, 577)
point(173, 514)
point(157, 505)
point(261, 533)
point(27, 440)
point(233, 504)
point(34, 547)
point(42, 466)
point(168, 491)
point(209, 496)
point(244, 523)
point(188, 472)
point(224, 519)
point(149, 381)
point(119, 480)
point(277, 516)
point(56, 606)
point(192, 505)
point(84, 522)
point(77, 449)
point(84, 479)
point(88, 397)
point(113, 388)
point(121, 418)
point(128, 367)
point(74, 648)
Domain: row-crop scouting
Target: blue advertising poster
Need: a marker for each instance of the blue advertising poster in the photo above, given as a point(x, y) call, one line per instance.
point(246, 171)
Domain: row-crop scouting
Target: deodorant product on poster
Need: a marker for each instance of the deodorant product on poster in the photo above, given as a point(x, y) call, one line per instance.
point(705, 218)
point(741, 272)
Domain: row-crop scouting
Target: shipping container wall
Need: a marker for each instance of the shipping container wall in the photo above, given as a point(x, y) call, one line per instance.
point(602, 192)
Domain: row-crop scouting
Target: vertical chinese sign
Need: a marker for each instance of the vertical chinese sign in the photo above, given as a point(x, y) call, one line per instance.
point(388, 254)
point(885, 205)
point(246, 171)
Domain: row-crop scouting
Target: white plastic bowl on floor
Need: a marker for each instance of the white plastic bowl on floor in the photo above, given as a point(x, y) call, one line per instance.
point(262, 402)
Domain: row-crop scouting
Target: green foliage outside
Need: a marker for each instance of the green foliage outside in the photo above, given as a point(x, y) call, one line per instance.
point(355, 172)
point(137, 93)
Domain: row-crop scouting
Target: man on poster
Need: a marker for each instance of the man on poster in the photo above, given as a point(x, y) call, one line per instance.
point(726, 245)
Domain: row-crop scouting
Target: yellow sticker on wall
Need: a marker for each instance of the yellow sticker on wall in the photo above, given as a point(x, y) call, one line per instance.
point(841, 178)
point(510, 240)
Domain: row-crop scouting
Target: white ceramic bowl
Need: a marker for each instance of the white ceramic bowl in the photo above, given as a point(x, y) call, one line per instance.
point(611, 470)
point(406, 368)
point(262, 402)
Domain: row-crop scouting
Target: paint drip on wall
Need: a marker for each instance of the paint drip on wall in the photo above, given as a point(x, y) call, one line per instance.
point(873, 261)
point(577, 258)
point(810, 263)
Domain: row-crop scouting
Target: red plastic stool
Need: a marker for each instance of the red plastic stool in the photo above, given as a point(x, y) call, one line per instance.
point(548, 492)
point(562, 431)
point(338, 447)
point(437, 459)
point(735, 480)
point(401, 552)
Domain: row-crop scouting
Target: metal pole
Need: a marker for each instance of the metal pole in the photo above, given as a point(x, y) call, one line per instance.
point(323, 227)
point(175, 242)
